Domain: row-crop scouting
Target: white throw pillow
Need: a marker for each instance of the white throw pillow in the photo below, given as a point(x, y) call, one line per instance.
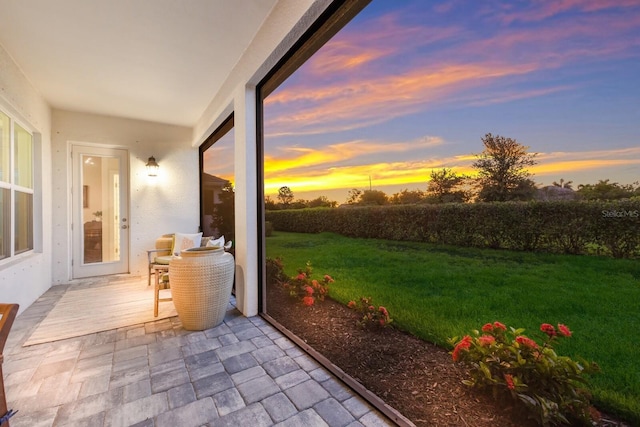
point(186, 241)
point(216, 243)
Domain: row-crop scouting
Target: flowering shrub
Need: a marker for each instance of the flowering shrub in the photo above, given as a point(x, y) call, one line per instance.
point(308, 289)
point(371, 315)
point(551, 387)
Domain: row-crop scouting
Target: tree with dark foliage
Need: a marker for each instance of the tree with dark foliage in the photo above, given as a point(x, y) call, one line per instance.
point(445, 186)
point(224, 213)
point(285, 196)
point(502, 170)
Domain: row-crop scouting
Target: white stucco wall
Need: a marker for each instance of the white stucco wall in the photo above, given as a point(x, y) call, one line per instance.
point(170, 204)
point(27, 276)
point(288, 20)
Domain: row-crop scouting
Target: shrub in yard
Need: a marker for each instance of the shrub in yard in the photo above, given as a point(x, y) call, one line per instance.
point(268, 229)
point(371, 315)
point(275, 272)
point(575, 227)
point(551, 387)
point(308, 289)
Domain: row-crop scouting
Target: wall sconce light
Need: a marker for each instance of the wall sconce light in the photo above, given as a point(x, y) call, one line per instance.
point(152, 166)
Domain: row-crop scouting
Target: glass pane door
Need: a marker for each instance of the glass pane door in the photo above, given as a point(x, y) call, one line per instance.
point(100, 208)
point(217, 183)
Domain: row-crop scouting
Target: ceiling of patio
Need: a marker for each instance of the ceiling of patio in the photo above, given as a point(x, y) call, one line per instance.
point(156, 60)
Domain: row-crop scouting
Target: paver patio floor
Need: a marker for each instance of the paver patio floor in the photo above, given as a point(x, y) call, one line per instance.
point(243, 372)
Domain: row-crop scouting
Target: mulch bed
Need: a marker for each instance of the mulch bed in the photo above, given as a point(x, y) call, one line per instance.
point(416, 378)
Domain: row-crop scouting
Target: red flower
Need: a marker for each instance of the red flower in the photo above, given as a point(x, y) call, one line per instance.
point(328, 278)
point(486, 340)
point(308, 301)
point(564, 331)
point(488, 327)
point(464, 344)
point(509, 380)
point(309, 290)
point(383, 310)
point(527, 342)
point(351, 304)
point(372, 308)
point(548, 329)
point(499, 325)
point(315, 283)
point(301, 276)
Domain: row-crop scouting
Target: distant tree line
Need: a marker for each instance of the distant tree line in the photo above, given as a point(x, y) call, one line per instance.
point(286, 200)
point(502, 176)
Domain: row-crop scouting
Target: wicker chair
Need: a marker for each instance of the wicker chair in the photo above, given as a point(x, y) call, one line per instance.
point(8, 312)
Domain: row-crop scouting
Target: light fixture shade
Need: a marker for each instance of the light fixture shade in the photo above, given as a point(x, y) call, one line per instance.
point(152, 166)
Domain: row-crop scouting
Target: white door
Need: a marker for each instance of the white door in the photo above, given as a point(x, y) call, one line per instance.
point(100, 228)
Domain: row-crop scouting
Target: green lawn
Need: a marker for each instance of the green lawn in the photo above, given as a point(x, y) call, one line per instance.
point(436, 292)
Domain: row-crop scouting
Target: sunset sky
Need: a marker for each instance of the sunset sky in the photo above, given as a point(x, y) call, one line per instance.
point(412, 86)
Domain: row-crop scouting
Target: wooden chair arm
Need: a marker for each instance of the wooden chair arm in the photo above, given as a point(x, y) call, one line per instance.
point(9, 313)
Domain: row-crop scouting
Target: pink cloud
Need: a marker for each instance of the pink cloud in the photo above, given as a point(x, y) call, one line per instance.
point(543, 9)
point(355, 81)
point(355, 103)
point(503, 96)
point(360, 48)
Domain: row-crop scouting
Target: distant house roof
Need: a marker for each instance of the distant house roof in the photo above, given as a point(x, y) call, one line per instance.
point(553, 192)
point(213, 181)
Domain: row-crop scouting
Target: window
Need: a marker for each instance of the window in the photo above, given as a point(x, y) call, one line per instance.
point(399, 98)
point(217, 195)
point(16, 188)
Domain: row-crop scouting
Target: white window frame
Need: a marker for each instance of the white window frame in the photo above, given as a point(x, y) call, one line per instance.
point(13, 188)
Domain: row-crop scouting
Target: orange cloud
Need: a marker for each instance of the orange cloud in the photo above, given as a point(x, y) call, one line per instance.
point(218, 160)
point(309, 178)
point(353, 177)
point(579, 165)
point(341, 56)
point(630, 153)
point(304, 158)
point(418, 172)
point(602, 161)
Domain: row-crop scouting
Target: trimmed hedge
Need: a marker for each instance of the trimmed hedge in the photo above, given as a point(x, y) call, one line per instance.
point(599, 227)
